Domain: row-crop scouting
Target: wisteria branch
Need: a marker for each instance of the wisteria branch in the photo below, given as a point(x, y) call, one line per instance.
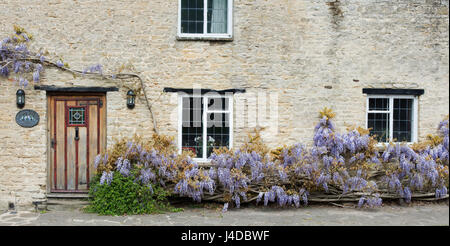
point(14, 56)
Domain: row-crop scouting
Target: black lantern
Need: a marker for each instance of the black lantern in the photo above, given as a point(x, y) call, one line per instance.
point(130, 99)
point(20, 98)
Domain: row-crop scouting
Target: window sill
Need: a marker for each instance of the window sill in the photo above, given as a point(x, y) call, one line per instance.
point(186, 37)
point(383, 146)
point(203, 162)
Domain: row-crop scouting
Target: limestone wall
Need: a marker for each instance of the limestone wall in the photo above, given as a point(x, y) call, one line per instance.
point(309, 54)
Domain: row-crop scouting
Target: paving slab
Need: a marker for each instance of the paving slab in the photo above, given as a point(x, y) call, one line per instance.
point(413, 215)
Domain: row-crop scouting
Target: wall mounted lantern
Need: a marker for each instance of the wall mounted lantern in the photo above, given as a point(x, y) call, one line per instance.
point(20, 98)
point(131, 99)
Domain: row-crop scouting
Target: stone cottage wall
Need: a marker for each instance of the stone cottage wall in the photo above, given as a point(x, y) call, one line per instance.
point(306, 54)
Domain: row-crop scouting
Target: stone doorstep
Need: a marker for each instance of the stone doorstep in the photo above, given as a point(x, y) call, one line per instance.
point(63, 201)
point(67, 195)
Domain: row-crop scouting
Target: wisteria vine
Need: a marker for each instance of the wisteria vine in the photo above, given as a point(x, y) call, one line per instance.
point(24, 66)
point(337, 167)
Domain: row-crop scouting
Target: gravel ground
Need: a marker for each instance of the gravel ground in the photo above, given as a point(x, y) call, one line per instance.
point(435, 214)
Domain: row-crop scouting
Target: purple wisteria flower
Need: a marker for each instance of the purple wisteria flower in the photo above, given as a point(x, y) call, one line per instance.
point(106, 177)
point(97, 161)
point(59, 63)
point(36, 76)
point(361, 201)
point(225, 208)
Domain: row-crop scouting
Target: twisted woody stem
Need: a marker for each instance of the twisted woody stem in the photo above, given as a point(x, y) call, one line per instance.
point(102, 76)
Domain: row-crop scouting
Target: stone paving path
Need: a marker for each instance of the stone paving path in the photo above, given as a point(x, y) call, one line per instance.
point(416, 215)
point(21, 218)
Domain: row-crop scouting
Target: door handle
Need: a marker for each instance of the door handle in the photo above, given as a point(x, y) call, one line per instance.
point(77, 134)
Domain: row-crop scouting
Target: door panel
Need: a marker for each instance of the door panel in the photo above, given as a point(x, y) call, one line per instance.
point(77, 135)
point(59, 164)
point(70, 159)
point(82, 155)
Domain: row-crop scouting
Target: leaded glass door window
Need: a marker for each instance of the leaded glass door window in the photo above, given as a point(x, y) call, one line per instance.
point(76, 116)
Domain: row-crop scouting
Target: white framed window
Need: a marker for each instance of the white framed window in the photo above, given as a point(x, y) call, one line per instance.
point(392, 118)
point(205, 19)
point(205, 123)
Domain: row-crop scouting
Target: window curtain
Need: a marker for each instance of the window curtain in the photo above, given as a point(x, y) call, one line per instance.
point(219, 16)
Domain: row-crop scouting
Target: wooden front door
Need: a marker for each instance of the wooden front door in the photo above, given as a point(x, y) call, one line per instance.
point(77, 135)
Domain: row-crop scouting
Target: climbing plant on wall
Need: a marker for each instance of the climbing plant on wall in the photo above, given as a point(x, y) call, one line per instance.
point(338, 167)
point(24, 66)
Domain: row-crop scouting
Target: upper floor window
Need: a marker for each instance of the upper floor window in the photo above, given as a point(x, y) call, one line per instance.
point(392, 118)
point(205, 19)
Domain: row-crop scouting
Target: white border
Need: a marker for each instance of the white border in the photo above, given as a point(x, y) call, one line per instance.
point(391, 98)
point(205, 35)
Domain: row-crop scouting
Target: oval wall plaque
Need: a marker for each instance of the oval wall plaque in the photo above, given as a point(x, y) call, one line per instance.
point(27, 118)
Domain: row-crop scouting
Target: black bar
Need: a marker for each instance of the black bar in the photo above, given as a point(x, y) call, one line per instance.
point(52, 88)
point(203, 91)
point(388, 91)
point(278, 235)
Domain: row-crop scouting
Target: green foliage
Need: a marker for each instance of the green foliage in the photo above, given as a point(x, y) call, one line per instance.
point(124, 196)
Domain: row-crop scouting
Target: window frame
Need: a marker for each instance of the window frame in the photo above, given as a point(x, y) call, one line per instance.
point(205, 35)
point(85, 116)
point(204, 97)
point(414, 127)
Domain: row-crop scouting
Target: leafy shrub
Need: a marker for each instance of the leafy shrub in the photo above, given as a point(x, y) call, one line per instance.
point(125, 196)
point(155, 162)
point(146, 166)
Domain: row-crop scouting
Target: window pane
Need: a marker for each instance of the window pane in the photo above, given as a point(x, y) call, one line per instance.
point(192, 125)
point(217, 16)
point(184, 4)
point(218, 131)
point(192, 16)
point(218, 103)
point(184, 15)
point(198, 27)
point(76, 116)
point(403, 120)
point(378, 123)
point(379, 104)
